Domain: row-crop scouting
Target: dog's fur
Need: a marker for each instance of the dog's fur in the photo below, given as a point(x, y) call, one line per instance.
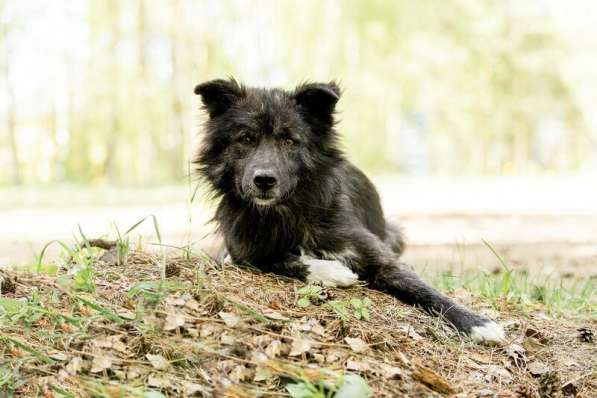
point(291, 203)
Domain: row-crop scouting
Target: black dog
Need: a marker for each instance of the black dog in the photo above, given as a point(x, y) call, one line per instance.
point(291, 203)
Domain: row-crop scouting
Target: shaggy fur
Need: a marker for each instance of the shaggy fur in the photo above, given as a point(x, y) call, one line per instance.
point(291, 203)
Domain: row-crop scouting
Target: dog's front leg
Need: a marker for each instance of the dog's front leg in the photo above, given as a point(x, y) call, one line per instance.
point(330, 273)
point(385, 273)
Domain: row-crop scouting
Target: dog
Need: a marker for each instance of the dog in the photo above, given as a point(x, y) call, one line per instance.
point(291, 203)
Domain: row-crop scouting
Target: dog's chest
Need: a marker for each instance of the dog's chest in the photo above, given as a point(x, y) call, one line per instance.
point(249, 236)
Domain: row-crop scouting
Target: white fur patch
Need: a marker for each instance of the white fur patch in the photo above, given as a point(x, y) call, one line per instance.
point(490, 333)
point(329, 272)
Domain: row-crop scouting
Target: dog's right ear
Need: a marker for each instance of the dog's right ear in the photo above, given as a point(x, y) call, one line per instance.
point(218, 95)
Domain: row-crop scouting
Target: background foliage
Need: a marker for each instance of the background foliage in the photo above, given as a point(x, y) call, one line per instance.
point(101, 90)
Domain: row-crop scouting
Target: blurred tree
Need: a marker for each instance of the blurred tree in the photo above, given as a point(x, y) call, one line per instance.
point(441, 87)
point(11, 110)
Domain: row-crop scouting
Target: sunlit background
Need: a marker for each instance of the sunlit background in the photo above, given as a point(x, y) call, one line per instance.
point(477, 119)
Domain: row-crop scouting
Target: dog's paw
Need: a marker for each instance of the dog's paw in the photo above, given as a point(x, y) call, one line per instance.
point(329, 272)
point(488, 333)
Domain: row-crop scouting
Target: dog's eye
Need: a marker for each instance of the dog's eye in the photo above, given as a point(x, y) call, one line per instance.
point(246, 139)
point(289, 142)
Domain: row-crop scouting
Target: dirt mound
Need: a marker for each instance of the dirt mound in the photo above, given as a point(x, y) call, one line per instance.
point(189, 327)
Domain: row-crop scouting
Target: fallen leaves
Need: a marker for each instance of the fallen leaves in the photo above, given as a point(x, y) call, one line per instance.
point(174, 320)
point(100, 363)
point(179, 339)
point(74, 366)
point(517, 354)
point(275, 315)
point(432, 380)
point(299, 346)
point(229, 318)
point(273, 349)
point(356, 344)
point(158, 361)
point(537, 368)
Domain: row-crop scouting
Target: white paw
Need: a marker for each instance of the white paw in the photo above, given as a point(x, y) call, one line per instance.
point(329, 272)
point(490, 333)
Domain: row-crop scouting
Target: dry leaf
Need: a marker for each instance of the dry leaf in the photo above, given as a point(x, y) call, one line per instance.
point(74, 366)
point(498, 374)
point(258, 357)
point(271, 314)
point(356, 344)
point(120, 374)
point(159, 382)
point(229, 318)
point(59, 356)
point(126, 314)
point(135, 371)
point(480, 357)
point(262, 374)
point(541, 315)
point(334, 356)
point(311, 325)
point(101, 363)
point(517, 354)
point(357, 365)
point(569, 362)
point(157, 361)
point(537, 368)
point(112, 342)
point(403, 359)
point(193, 332)
point(239, 373)
point(319, 358)
point(299, 346)
point(192, 388)
point(391, 372)
point(177, 302)
point(486, 392)
point(432, 380)
point(192, 304)
point(227, 339)
point(273, 349)
point(261, 340)
point(532, 332)
point(174, 320)
point(410, 332)
point(208, 329)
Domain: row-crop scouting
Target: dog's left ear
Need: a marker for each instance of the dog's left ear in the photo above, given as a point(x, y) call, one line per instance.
point(318, 99)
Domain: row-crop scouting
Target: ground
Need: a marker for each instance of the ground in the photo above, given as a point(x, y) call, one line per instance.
point(159, 317)
point(139, 324)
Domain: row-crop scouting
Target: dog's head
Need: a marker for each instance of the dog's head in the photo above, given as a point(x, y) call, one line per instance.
point(263, 144)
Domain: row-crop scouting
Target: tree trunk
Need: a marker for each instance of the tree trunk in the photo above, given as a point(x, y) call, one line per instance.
point(179, 158)
point(113, 134)
point(11, 111)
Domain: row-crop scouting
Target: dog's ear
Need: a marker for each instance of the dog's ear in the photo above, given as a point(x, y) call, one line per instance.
point(218, 95)
point(318, 99)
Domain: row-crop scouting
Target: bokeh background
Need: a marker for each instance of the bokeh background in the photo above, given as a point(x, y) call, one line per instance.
point(476, 118)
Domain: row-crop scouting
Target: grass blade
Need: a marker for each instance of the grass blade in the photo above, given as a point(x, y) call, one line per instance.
point(42, 357)
point(496, 254)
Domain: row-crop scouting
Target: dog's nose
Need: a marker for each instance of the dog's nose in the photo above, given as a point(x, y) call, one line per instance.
point(264, 179)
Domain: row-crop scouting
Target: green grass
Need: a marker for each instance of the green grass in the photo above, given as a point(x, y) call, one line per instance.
point(556, 296)
point(518, 288)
